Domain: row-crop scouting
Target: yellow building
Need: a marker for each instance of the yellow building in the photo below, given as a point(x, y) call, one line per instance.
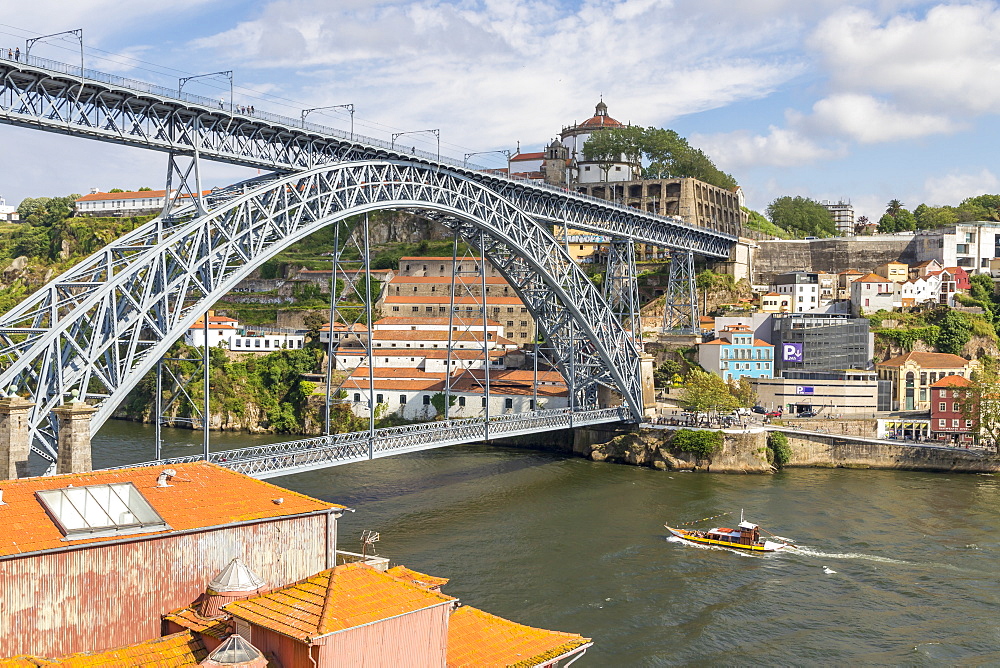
point(912, 375)
point(897, 272)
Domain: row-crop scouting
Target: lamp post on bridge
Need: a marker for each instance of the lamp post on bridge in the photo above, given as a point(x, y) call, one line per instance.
point(436, 132)
point(349, 107)
point(506, 152)
point(225, 73)
point(78, 33)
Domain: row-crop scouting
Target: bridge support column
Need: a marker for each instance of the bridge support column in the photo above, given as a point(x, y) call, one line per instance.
point(74, 437)
point(15, 438)
point(647, 363)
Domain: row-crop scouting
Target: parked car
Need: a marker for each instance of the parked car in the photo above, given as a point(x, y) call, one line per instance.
point(773, 414)
point(806, 414)
point(759, 409)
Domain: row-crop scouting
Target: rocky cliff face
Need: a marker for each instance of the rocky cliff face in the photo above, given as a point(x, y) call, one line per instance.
point(741, 453)
point(401, 227)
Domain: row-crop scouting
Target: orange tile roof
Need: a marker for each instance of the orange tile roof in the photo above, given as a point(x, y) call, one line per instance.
point(431, 258)
point(134, 194)
point(200, 495)
point(436, 335)
point(24, 661)
point(952, 381)
point(212, 325)
point(406, 373)
point(458, 321)
point(471, 280)
point(429, 353)
point(189, 619)
point(928, 360)
point(528, 156)
point(393, 384)
point(490, 300)
point(335, 600)
point(173, 651)
point(477, 638)
point(417, 578)
point(872, 278)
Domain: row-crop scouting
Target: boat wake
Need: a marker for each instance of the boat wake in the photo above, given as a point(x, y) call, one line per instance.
point(802, 549)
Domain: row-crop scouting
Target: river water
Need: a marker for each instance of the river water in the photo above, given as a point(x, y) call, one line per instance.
point(568, 544)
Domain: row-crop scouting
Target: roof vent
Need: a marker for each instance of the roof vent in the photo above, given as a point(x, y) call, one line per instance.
point(234, 583)
point(164, 477)
point(235, 651)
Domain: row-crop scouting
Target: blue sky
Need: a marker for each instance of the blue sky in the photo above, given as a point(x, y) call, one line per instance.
point(867, 101)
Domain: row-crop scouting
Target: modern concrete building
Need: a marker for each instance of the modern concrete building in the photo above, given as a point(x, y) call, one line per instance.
point(843, 216)
point(826, 393)
point(820, 342)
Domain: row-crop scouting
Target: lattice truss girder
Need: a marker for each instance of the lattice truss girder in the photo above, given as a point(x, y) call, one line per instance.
point(103, 324)
point(45, 100)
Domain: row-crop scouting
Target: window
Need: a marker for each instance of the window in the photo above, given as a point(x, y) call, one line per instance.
point(101, 510)
point(968, 423)
point(510, 323)
point(427, 400)
point(379, 399)
point(415, 309)
point(954, 423)
point(461, 401)
point(402, 400)
point(524, 323)
point(357, 397)
point(942, 406)
point(508, 403)
point(954, 407)
point(395, 309)
point(942, 423)
point(484, 402)
point(510, 309)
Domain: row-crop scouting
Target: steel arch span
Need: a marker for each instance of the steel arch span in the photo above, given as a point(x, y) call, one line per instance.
point(102, 325)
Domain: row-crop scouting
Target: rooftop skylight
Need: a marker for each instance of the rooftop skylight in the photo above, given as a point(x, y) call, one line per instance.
point(101, 510)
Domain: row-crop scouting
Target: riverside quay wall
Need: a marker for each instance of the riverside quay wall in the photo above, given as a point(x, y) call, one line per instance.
point(747, 452)
point(835, 255)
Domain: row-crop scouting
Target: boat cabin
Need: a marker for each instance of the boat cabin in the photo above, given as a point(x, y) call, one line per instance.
point(747, 533)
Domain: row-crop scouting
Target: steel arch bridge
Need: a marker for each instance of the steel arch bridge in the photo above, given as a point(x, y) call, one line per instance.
point(103, 324)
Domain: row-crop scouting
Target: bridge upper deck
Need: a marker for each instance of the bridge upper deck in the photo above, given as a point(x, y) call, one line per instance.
point(57, 97)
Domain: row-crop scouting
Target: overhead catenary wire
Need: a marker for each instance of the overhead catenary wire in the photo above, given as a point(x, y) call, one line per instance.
point(246, 92)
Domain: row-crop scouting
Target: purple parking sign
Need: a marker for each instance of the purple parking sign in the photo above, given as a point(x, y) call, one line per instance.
point(791, 352)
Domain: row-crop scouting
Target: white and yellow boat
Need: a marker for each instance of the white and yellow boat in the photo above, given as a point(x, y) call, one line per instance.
point(745, 537)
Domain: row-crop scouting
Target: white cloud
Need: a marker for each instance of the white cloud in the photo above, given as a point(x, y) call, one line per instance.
point(868, 120)
point(946, 60)
point(493, 71)
point(953, 188)
point(780, 148)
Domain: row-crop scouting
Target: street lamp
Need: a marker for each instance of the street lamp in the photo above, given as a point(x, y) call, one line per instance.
point(28, 43)
point(506, 152)
point(436, 132)
point(349, 107)
point(225, 73)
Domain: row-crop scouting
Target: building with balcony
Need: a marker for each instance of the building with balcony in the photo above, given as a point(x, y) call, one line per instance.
point(913, 374)
point(843, 216)
point(736, 354)
point(949, 421)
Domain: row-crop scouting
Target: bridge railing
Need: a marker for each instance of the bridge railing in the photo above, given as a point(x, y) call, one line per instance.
point(293, 123)
point(354, 446)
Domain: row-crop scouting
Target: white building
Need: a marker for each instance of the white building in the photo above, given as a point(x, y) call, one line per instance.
point(124, 203)
point(433, 361)
point(969, 245)
point(8, 214)
point(410, 393)
point(802, 287)
point(873, 293)
point(920, 289)
point(843, 216)
point(593, 171)
point(228, 333)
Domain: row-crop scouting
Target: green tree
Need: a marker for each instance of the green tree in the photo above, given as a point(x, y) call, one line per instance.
point(145, 189)
point(705, 392)
point(665, 153)
point(802, 217)
point(116, 190)
point(744, 392)
point(780, 451)
point(887, 224)
point(985, 207)
point(663, 376)
point(933, 217)
point(956, 331)
point(980, 402)
point(757, 221)
point(893, 208)
point(701, 443)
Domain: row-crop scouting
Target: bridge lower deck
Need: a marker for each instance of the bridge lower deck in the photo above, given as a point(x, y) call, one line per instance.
point(278, 459)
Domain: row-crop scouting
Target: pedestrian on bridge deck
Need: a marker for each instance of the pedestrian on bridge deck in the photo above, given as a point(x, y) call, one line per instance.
point(10, 54)
point(17, 53)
